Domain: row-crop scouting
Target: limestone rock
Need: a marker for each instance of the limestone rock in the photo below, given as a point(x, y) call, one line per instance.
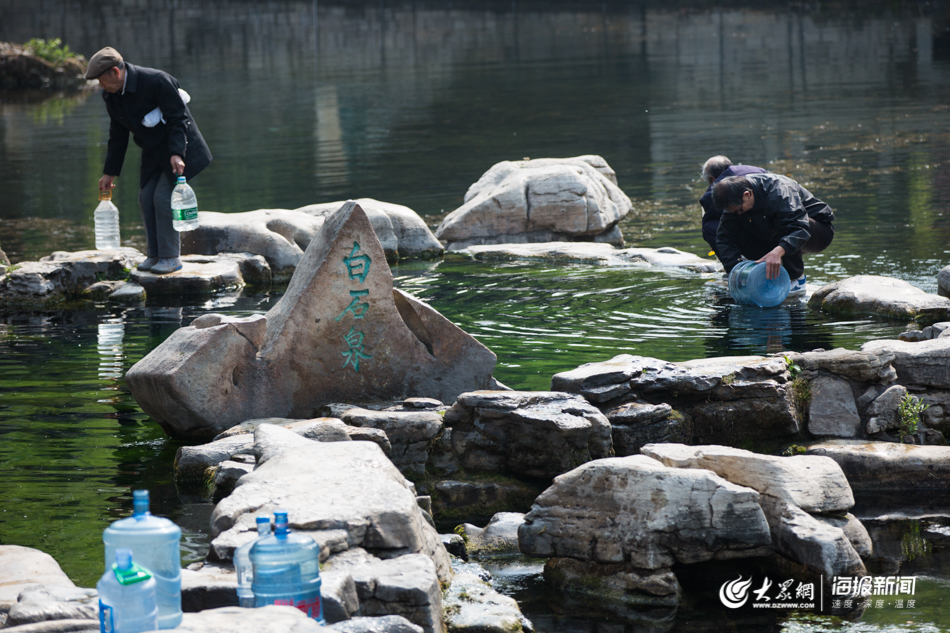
point(21, 567)
point(480, 500)
point(637, 424)
point(4, 260)
point(943, 282)
point(471, 605)
point(349, 486)
point(319, 429)
point(128, 293)
point(281, 236)
point(884, 466)
point(271, 441)
point(538, 201)
point(21, 69)
point(338, 593)
point(883, 412)
point(537, 434)
point(636, 510)
point(63, 276)
point(340, 333)
point(832, 409)
point(49, 607)
point(728, 400)
point(589, 252)
point(617, 582)
point(383, 624)
point(923, 364)
point(498, 539)
point(884, 296)
point(411, 434)
point(198, 275)
point(226, 476)
point(406, 586)
point(193, 463)
point(853, 529)
point(269, 619)
point(813, 543)
point(208, 587)
point(860, 366)
point(815, 484)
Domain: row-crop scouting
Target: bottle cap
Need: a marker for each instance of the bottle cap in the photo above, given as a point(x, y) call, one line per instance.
point(140, 503)
point(281, 524)
point(181, 180)
point(262, 520)
point(105, 195)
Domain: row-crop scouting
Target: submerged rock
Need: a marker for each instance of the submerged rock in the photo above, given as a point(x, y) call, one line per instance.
point(590, 252)
point(552, 199)
point(883, 296)
point(341, 333)
point(281, 236)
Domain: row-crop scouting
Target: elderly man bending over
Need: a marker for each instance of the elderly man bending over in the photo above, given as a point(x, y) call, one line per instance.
point(772, 219)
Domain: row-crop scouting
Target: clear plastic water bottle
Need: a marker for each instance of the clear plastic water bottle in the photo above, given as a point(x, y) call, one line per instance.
point(184, 206)
point(127, 602)
point(287, 570)
point(748, 284)
point(156, 545)
point(242, 564)
point(106, 218)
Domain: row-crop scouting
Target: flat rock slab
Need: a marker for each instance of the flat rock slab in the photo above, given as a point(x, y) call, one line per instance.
point(337, 486)
point(535, 434)
point(729, 400)
point(281, 236)
point(198, 275)
point(551, 199)
point(815, 484)
point(883, 296)
point(269, 619)
point(63, 276)
point(340, 333)
point(860, 366)
point(636, 510)
point(590, 252)
point(922, 363)
point(411, 434)
point(471, 605)
point(882, 466)
point(21, 567)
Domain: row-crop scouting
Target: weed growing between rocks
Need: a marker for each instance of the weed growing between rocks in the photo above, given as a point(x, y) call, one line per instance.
point(52, 50)
point(909, 412)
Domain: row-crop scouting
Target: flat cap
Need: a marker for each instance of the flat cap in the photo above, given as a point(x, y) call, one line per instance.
point(102, 61)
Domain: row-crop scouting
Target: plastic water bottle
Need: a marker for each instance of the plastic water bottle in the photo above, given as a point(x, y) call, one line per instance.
point(106, 218)
point(242, 564)
point(156, 545)
point(287, 570)
point(127, 601)
point(184, 206)
point(748, 284)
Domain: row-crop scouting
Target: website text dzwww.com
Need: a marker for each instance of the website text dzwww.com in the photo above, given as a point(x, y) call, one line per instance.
point(783, 605)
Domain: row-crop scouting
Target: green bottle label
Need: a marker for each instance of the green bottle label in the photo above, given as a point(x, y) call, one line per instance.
point(183, 215)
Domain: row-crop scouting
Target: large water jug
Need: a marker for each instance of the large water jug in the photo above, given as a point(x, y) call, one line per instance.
point(106, 220)
point(287, 570)
point(242, 564)
point(127, 601)
point(184, 206)
point(749, 285)
point(156, 545)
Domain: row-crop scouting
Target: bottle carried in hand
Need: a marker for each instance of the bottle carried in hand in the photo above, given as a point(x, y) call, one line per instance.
point(106, 218)
point(184, 206)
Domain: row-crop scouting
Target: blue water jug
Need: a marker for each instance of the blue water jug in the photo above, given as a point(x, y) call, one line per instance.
point(287, 570)
point(156, 545)
point(242, 564)
point(127, 601)
point(749, 285)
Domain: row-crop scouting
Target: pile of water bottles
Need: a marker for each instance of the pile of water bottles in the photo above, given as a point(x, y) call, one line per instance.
point(141, 589)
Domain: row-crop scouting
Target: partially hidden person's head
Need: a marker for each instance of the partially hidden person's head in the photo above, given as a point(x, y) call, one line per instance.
point(713, 167)
point(733, 195)
point(108, 68)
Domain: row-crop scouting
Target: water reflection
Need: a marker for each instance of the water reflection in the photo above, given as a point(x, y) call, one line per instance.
point(109, 341)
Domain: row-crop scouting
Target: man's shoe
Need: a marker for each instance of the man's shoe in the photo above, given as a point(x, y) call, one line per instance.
point(798, 287)
point(147, 264)
point(166, 265)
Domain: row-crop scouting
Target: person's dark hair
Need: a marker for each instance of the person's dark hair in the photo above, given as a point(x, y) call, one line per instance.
point(713, 167)
point(728, 191)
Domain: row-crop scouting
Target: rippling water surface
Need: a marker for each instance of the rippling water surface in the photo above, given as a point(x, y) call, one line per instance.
point(305, 102)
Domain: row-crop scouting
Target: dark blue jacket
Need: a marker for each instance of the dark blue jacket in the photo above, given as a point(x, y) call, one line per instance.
point(711, 214)
point(145, 90)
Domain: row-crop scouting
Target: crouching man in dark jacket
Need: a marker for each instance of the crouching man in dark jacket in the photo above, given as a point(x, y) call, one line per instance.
point(171, 145)
point(772, 219)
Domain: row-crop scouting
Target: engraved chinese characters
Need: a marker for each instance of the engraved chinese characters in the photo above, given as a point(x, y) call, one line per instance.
point(357, 268)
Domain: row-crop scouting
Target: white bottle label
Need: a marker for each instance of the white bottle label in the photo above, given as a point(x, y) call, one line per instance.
point(183, 215)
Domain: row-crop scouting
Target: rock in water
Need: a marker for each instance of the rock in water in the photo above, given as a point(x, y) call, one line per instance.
point(341, 333)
